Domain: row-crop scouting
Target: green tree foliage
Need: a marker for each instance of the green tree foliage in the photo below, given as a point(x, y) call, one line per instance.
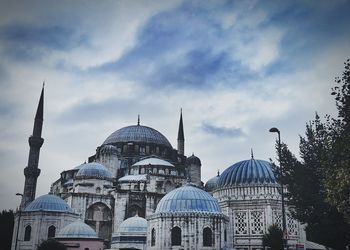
point(337, 182)
point(51, 244)
point(319, 184)
point(6, 229)
point(273, 238)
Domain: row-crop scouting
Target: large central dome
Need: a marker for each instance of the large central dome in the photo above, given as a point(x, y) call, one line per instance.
point(137, 133)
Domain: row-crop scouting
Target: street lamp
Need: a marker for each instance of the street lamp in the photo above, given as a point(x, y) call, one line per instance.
point(19, 220)
point(275, 130)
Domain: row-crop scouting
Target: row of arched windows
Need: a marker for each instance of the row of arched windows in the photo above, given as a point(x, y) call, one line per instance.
point(176, 238)
point(51, 232)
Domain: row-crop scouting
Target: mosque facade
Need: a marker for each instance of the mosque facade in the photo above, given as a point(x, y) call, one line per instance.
point(138, 192)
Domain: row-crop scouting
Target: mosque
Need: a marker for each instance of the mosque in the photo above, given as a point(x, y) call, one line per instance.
point(138, 192)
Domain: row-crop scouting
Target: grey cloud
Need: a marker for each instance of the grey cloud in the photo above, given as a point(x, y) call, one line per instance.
point(221, 131)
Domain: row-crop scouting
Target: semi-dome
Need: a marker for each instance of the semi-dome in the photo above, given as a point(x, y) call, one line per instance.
point(93, 170)
point(133, 224)
point(212, 183)
point(137, 133)
point(247, 172)
point(48, 202)
point(77, 229)
point(193, 160)
point(188, 198)
point(153, 161)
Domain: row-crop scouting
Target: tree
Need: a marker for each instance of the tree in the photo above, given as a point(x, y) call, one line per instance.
point(6, 229)
point(337, 182)
point(51, 244)
point(319, 184)
point(273, 238)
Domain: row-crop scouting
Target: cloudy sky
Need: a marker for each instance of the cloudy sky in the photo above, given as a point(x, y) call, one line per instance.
point(236, 68)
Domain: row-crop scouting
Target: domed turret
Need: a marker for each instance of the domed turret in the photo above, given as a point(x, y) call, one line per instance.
point(108, 150)
point(188, 198)
point(77, 229)
point(193, 160)
point(212, 183)
point(93, 170)
point(247, 172)
point(48, 202)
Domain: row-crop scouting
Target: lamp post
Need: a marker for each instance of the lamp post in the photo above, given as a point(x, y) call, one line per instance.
point(19, 220)
point(285, 235)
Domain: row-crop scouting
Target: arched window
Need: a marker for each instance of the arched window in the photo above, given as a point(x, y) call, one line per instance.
point(207, 237)
point(98, 190)
point(27, 233)
point(176, 236)
point(153, 237)
point(51, 232)
point(225, 235)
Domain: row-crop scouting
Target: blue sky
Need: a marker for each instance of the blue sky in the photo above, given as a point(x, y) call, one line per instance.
point(236, 68)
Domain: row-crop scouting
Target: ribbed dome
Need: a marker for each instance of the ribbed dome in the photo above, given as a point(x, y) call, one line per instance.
point(193, 160)
point(212, 183)
point(48, 202)
point(93, 170)
point(137, 133)
point(188, 198)
point(247, 172)
point(133, 224)
point(77, 229)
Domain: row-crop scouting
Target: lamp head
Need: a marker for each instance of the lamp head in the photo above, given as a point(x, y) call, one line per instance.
point(274, 130)
point(19, 194)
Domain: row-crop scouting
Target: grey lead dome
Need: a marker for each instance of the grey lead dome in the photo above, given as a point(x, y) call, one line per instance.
point(137, 133)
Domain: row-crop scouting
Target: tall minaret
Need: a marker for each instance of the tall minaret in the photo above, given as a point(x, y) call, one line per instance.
point(31, 172)
point(181, 137)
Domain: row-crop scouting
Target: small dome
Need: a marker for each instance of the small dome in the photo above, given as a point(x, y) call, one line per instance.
point(48, 202)
point(247, 172)
point(108, 150)
point(193, 160)
point(93, 170)
point(77, 229)
point(79, 166)
point(188, 198)
point(138, 133)
point(153, 161)
point(212, 183)
point(133, 224)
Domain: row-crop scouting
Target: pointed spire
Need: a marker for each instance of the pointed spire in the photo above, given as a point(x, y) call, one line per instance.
point(40, 109)
point(138, 120)
point(251, 152)
point(181, 137)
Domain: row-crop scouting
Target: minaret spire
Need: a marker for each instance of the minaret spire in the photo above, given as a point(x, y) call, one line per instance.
point(31, 172)
point(181, 137)
point(138, 120)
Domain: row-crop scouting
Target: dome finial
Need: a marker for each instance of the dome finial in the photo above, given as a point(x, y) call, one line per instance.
point(138, 120)
point(218, 172)
point(251, 152)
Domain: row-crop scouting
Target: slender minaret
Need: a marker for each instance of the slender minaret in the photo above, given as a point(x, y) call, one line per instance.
point(31, 172)
point(181, 137)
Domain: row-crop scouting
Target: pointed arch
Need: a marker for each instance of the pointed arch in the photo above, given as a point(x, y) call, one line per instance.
point(27, 233)
point(153, 237)
point(207, 237)
point(176, 236)
point(51, 232)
